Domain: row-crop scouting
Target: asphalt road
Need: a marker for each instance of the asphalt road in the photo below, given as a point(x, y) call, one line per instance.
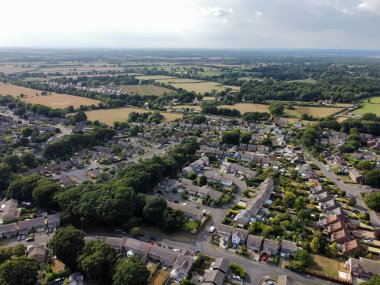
point(353, 190)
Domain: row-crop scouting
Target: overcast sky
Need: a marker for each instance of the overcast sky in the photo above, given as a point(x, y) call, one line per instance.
point(351, 24)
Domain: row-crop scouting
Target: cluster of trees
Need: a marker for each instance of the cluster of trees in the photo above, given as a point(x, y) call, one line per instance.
point(96, 259)
point(255, 117)
point(276, 109)
point(16, 268)
point(75, 142)
point(373, 201)
point(212, 109)
point(198, 119)
point(120, 201)
point(231, 137)
point(150, 117)
point(86, 81)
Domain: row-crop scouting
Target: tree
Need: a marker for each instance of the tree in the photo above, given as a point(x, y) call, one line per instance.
point(173, 220)
point(97, 261)
point(19, 270)
point(246, 137)
point(231, 137)
point(5, 173)
point(276, 109)
point(365, 165)
point(154, 209)
point(334, 251)
point(67, 243)
point(303, 257)
point(289, 199)
point(131, 271)
point(373, 201)
point(43, 193)
point(373, 178)
point(135, 231)
point(79, 117)
point(314, 245)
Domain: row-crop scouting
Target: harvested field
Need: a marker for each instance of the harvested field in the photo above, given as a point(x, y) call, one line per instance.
point(53, 100)
point(316, 112)
point(14, 68)
point(247, 107)
point(145, 89)
point(154, 77)
point(109, 116)
point(203, 87)
point(79, 69)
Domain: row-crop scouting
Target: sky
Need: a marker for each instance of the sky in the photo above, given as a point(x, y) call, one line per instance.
point(221, 24)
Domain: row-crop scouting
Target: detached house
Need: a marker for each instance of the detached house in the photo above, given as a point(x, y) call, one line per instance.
point(270, 247)
point(254, 243)
point(356, 176)
point(288, 248)
point(225, 232)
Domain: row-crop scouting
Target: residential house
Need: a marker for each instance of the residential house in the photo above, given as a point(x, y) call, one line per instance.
point(363, 267)
point(254, 243)
point(37, 252)
point(288, 248)
point(190, 212)
point(116, 243)
point(351, 247)
point(239, 236)
point(10, 211)
point(53, 221)
point(270, 247)
point(182, 266)
point(8, 230)
point(225, 232)
point(356, 176)
point(214, 277)
point(137, 247)
point(341, 236)
point(335, 227)
point(220, 264)
point(37, 224)
point(165, 256)
point(242, 218)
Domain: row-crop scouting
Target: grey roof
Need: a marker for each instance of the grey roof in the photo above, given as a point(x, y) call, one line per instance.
point(31, 223)
point(367, 265)
point(214, 276)
point(271, 243)
point(134, 244)
point(115, 241)
point(221, 263)
point(256, 240)
point(163, 252)
point(288, 245)
point(8, 228)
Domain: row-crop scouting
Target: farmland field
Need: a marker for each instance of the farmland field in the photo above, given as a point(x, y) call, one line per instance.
point(368, 108)
point(203, 87)
point(316, 112)
point(14, 68)
point(247, 107)
point(178, 80)
point(145, 89)
point(84, 69)
point(154, 77)
point(191, 107)
point(53, 100)
point(311, 81)
point(109, 116)
point(208, 98)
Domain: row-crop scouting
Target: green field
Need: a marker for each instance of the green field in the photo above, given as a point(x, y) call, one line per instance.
point(311, 81)
point(369, 108)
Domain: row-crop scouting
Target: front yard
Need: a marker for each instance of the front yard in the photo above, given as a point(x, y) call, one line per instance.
point(159, 277)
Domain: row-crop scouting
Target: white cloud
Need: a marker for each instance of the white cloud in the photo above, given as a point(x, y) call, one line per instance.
point(369, 5)
point(216, 11)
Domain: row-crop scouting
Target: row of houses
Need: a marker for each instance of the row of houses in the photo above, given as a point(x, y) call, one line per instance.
point(254, 205)
point(257, 243)
point(218, 272)
point(181, 262)
point(23, 227)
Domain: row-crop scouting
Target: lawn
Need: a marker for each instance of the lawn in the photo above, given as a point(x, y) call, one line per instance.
point(311, 81)
point(191, 226)
point(109, 116)
point(203, 87)
point(159, 277)
point(53, 100)
point(326, 265)
point(154, 77)
point(145, 90)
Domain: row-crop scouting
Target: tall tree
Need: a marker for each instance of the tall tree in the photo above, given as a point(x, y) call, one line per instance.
point(19, 271)
point(131, 271)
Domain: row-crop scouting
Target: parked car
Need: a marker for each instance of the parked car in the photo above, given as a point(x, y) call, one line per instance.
point(30, 239)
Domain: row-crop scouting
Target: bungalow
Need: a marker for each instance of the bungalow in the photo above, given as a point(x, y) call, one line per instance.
point(37, 224)
point(225, 232)
point(356, 176)
point(288, 248)
point(163, 255)
point(254, 243)
point(270, 247)
point(53, 221)
point(37, 252)
point(136, 247)
point(239, 236)
point(364, 267)
point(341, 236)
point(116, 243)
point(8, 230)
